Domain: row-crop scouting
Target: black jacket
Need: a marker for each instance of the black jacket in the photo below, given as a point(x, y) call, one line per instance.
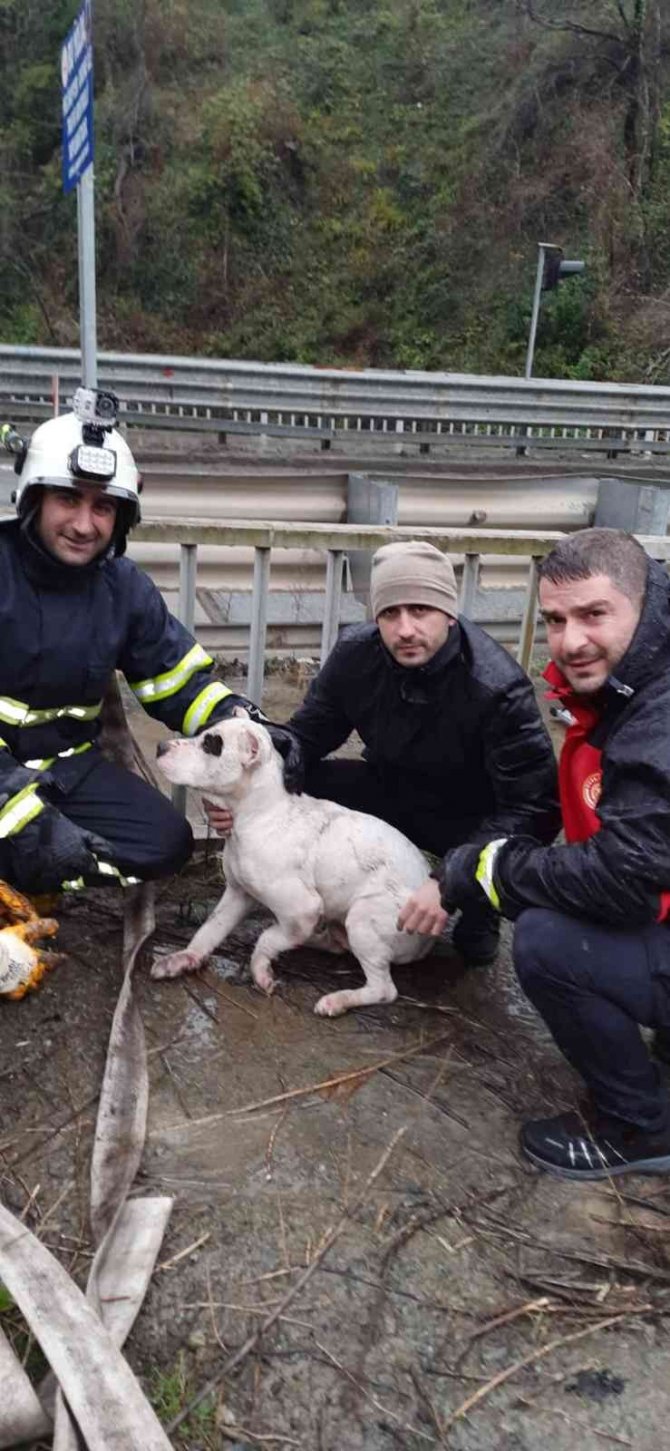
point(620, 875)
point(462, 733)
point(63, 630)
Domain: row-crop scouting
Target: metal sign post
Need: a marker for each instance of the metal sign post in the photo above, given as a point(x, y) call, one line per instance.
point(88, 329)
point(77, 99)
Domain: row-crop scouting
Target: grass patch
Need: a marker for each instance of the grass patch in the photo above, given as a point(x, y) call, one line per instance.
point(21, 1339)
point(6, 1301)
point(169, 1391)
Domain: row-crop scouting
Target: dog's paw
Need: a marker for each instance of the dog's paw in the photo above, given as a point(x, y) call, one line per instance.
point(264, 979)
point(332, 1005)
point(173, 964)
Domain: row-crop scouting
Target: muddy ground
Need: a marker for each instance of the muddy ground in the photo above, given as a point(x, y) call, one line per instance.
point(458, 1273)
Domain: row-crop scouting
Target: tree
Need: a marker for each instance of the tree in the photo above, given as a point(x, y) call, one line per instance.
point(629, 36)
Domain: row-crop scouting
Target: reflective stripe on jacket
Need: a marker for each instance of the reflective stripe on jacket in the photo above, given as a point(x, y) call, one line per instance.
point(63, 630)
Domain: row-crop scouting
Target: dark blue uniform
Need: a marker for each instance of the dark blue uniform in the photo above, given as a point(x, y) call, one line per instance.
point(63, 630)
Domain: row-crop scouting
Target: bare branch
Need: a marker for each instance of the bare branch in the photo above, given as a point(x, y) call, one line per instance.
point(572, 26)
point(618, 5)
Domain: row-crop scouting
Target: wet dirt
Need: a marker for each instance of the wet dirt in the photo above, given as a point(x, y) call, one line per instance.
point(457, 1264)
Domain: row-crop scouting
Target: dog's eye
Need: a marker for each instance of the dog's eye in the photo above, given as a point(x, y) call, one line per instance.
point(212, 745)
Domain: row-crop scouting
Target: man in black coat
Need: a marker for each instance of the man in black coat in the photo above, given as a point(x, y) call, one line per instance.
point(592, 940)
point(72, 610)
point(455, 749)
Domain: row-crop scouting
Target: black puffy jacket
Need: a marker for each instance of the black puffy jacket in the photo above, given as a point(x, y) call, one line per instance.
point(63, 630)
point(462, 732)
point(621, 875)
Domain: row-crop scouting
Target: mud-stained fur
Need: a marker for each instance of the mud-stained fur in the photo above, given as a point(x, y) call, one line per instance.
point(330, 876)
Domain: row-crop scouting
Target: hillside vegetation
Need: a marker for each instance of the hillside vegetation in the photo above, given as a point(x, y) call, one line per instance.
point(349, 182)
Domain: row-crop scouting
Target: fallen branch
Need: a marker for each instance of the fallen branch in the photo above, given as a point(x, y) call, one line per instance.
point(442, 1211)
point(530, 1308)
point(226, 998)
point(532, 1357)
point(342, 1084)
point(372, 1400)
point(326, 1244)
point(174, 1259)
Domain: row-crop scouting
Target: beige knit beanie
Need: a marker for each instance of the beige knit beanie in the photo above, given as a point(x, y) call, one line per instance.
point(412, 573)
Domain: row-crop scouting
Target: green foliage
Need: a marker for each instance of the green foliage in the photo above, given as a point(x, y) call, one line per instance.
point(357, 183)
point(170, 1391)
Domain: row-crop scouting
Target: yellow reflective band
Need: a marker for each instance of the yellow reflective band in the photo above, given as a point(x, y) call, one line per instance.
point(17, 713)
point(104, 869)
point(42, 763)
point(3, 745)
point(148, 691)
point(485, 868)
point(201, 708)
point(21, 809)
point(107, 870)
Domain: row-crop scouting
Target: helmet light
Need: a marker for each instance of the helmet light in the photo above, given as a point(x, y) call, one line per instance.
point(89, 462)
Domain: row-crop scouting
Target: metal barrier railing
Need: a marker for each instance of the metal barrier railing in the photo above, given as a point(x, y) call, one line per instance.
point(336, 539)
point(285, 398)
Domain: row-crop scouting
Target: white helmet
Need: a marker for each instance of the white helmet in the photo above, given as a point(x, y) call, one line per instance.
point(65, 453)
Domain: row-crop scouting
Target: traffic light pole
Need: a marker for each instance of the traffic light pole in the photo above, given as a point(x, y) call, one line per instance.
point(539, 276)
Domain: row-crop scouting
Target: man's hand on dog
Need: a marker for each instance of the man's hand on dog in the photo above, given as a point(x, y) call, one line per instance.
point(423, 911)
point(220, 818)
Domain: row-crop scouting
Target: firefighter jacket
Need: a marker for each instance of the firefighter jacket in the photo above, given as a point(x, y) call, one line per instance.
point(615, 796)
point(63, 630)
point(462, 734)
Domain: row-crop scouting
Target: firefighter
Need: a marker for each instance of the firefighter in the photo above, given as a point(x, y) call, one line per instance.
point(592, 938)
point(73, 610)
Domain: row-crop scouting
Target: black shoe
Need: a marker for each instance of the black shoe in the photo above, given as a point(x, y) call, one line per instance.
point(477, 945)
point(566, 1145)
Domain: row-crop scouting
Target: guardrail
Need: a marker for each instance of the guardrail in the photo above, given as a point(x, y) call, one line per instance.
point(336, 540)
point(286, 398)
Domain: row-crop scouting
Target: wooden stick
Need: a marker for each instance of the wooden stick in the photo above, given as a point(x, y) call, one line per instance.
point(174, 1259)
point(535, 1355)
point(339, 1078)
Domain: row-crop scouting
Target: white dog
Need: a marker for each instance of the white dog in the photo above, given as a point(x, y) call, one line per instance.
point(331, 876)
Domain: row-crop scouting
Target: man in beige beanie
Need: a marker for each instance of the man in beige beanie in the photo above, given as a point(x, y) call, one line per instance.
point(455, 750)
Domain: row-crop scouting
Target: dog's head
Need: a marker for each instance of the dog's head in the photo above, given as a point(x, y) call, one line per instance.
point(217, 761)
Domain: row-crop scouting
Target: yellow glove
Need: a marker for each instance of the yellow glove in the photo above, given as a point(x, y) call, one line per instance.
point(22, 966)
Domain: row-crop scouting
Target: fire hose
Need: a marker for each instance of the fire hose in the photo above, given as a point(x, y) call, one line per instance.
point(90, 1385)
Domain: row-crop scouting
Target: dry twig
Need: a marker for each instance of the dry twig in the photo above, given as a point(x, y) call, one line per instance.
point(530, 1308)
point(534, 1355)
point(342, 1084)
point(372, 1400)
point(174, 1259)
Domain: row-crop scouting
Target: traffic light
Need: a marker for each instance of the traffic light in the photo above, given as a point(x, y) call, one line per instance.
point(554, 268)
point(551, 269)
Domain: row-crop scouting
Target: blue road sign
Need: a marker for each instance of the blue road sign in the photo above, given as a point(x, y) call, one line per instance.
point(76, 59)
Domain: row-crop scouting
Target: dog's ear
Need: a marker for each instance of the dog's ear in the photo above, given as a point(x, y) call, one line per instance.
point(250, 750)
point(241, 713)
